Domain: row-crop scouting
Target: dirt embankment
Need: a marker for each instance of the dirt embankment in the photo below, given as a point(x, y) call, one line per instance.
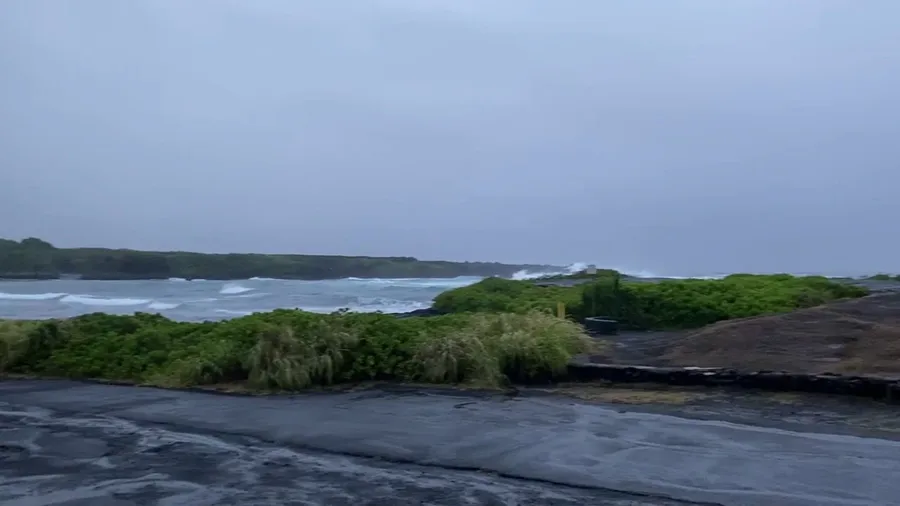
point(860, 336)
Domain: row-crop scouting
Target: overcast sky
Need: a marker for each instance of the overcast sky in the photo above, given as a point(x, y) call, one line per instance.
point(675, 137)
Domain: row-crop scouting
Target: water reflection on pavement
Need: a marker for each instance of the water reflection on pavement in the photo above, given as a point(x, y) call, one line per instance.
point(71, 444)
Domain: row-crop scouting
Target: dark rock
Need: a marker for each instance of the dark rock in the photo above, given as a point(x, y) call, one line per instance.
point(601, 326)
point(419, 312)
point(887, 389)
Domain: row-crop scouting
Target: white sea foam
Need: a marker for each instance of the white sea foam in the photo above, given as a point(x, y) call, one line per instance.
point(413, 282)
point(162, 306)
point(234, 289)
point(253, 295)
point(179, 280)
point(31, 296)
point(571, 269)
point(233, 312)
point(257, 278)
point(91, 300)
point(371, 305)
point(580, 266)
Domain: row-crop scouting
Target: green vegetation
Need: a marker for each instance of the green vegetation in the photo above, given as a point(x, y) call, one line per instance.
point(291, 350)
point(36, 259)
point(600, 273)
point(884, 277)
point(670, 304)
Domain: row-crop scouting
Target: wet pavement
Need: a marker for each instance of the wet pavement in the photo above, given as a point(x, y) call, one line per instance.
point(72, 444)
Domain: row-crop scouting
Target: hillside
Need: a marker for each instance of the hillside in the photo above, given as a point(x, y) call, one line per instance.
point(849, 336)
point(37, 259)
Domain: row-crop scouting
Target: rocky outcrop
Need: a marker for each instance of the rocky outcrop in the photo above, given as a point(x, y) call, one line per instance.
point(874, 387)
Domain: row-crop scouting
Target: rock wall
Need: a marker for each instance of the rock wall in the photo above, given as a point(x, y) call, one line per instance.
point(887, 389)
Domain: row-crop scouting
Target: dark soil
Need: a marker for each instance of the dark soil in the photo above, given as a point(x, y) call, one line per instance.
point(859, 336)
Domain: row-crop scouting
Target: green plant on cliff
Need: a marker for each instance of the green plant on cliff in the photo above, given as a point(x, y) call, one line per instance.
point(291, 350)
point(669, 304)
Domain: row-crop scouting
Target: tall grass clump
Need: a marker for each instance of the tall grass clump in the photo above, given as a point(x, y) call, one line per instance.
point(285, 359)
point(14, 342)
point(494, 349)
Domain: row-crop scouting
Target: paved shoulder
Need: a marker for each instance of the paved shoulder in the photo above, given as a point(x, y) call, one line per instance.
point(542, 439)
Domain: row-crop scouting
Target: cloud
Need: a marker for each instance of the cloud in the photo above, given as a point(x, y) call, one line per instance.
point(687, 138)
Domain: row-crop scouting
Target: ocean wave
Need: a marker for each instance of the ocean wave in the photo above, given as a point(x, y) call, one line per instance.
point(580, 266)
point(387, 305)
point(179, 280)
point(91, 300)
point(233, 312)
point(203, 300)
point(162, 306)
point(570, 269)
point(257, 278)
point(31, 296)
point(396, 306)
point(234, 289)
point(254, 295)
point(456, 282)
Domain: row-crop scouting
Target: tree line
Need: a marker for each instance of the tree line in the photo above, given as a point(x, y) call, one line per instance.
point(33, 258)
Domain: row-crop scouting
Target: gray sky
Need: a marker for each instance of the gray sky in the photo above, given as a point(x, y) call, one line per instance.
point(677, 137)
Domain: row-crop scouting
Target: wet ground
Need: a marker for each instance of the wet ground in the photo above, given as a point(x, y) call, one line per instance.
point(67, 443)
point(636, 347)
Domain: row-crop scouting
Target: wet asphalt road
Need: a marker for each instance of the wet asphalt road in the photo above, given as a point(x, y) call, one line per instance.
point(73, 444)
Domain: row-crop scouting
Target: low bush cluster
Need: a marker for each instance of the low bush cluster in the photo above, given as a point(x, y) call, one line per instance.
point(291, 349)
point(670, 304)
point(884, 277)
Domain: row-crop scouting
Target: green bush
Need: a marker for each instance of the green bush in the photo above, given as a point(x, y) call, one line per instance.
point(884, 277)
point(669, 304)
point(497, 295)
point(291, 350)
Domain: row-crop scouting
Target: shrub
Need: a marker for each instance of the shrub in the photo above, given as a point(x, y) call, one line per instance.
point(496, 348)
point(496, 295)
point(291, 349)
point(669, 304)
point(14, 342)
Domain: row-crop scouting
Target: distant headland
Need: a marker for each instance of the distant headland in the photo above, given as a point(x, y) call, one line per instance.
point(34, 258)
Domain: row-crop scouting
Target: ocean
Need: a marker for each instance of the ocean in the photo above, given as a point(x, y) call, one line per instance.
point(199, 300)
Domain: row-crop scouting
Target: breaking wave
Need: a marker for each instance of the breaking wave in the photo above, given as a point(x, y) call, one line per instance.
point(30, 296)
point(580, 266)
point(90, 300)
point(234, 289)
point(571, 269)
point(162, 306)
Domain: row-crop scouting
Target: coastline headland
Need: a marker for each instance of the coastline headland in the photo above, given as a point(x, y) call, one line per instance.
point(498, 333)
point(493, 379)
point(34, 258)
